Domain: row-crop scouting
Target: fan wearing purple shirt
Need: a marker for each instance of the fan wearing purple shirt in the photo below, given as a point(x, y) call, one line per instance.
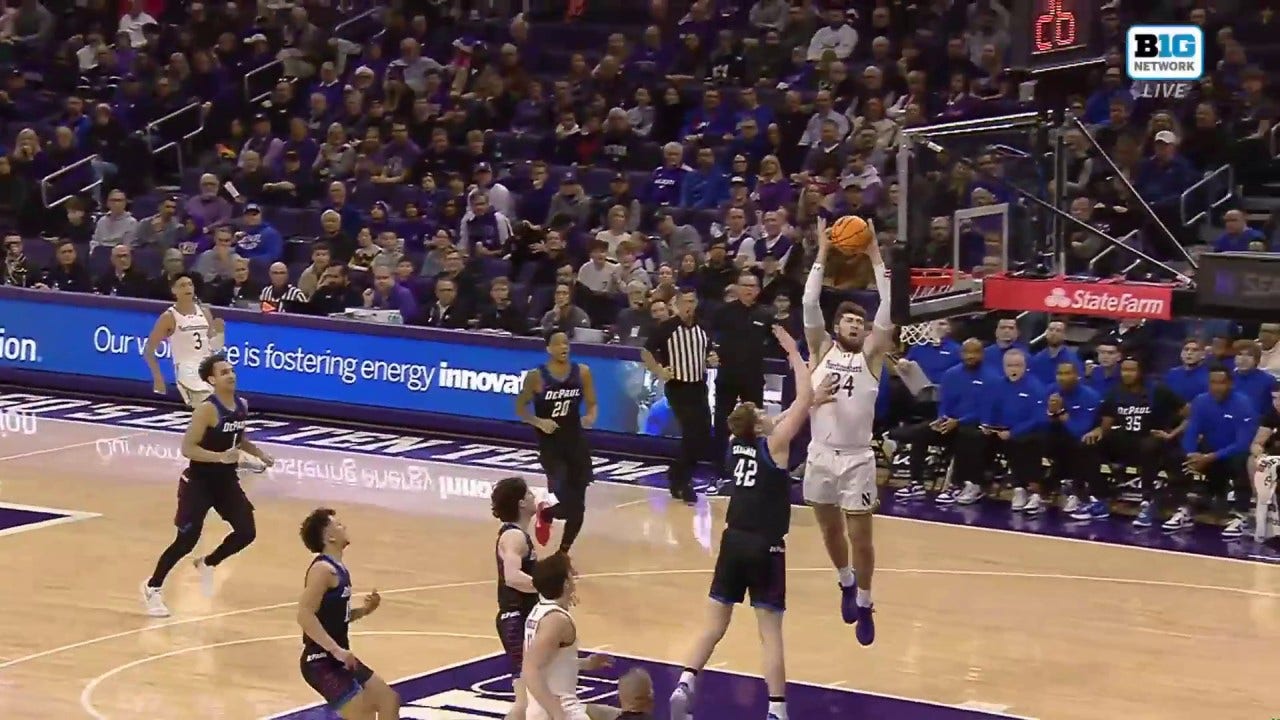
point(387, 294)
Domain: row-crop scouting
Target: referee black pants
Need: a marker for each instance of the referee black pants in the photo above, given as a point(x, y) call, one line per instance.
point(688, 401)
point(730, 391)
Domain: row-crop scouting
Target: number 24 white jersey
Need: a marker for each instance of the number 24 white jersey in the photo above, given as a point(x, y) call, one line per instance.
point(846, 423)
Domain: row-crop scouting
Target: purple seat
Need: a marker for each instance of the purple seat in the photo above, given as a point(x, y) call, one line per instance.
point(39, 251)
point(494, 267)
point(596, 180)
point(99, 260)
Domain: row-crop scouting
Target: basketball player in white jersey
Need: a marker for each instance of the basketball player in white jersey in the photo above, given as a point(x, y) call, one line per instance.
point(193, 334)
point(840, 470)
point(551, 662)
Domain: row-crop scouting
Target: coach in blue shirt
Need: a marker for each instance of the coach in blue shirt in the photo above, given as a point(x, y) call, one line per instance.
point(1006, 340)
point(1220, 427)
point(1044, 364)
point(1073, 410)
point(961, 397)
point(1015, 420)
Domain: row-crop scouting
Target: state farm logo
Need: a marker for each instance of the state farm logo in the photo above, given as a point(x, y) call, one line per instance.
point(1106, 301)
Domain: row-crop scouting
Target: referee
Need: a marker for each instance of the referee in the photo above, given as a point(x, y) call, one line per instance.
point(678, 351)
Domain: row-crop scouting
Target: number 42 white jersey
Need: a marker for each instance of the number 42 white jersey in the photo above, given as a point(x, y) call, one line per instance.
point(846, 423)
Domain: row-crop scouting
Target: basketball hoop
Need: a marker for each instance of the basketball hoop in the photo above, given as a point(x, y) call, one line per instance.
point(926, 283)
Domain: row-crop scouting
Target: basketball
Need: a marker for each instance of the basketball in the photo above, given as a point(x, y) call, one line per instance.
point(850, 234)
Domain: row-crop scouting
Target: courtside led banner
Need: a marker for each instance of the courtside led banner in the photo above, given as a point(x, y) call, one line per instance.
point(1118, 300)
point(341, 362)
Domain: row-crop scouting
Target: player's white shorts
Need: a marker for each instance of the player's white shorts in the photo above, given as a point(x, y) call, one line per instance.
point(573, 710)
point(846, 478)
point(190, 387)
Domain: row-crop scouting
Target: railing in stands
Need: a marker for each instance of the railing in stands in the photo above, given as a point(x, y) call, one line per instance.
point(156, 132)
point(273, 70)
point(1274, 136)
point(1131, 238)
point(1225, 176)
point(46, 182)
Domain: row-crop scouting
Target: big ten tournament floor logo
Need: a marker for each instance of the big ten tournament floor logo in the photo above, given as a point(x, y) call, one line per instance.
point(1163, 60)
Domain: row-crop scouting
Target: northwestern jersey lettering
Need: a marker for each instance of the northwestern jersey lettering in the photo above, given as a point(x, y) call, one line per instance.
point(561, 398)
point(509, 598)
point(846, 423)
point(334, 612)
point(761, 499)
point(189, 343)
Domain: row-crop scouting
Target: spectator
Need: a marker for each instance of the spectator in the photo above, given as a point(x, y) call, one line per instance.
point(500, 313)
point(564, 316)
point(666, 184)
point(823, 112)
point(571, 201)
point(208, 208)
point(837, 37)
point(1162, 177)
point(1006, 340)
point(707, 186)
point(1237, 236)
point(281, 295)
point(68, 273)
point(161, 230)
point(118, 226)
point(486, 232)
point(768, 15)
point(717, 273)
point(447, 312)
point(172, 265)
point(1073, 415)
point(239, 290)
point(249, 178)
point(1268, 335)
point(635, 322)
point(218, 262)
point(309, 278)
point(259, 240)
point(335, 293)
point(291, 185)
point(17, 271)
point(1190, 379)
point(122, 279)
point(629, 267)
point(387, 294)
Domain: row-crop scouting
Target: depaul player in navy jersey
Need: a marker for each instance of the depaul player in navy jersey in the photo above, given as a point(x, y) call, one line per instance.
point(325, 614)
point(752, 559)
point(213, 443)
point(514, 506)
point(552, 400)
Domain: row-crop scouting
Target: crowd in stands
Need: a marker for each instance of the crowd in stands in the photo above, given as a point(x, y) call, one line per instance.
point(473, 169)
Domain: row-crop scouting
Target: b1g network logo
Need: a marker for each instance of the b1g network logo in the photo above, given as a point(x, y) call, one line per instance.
point(1165, 53)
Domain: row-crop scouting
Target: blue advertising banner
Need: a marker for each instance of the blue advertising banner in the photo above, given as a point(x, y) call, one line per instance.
point(340, 362)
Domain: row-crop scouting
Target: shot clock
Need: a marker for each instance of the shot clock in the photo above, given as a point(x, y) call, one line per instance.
point(1052, 33)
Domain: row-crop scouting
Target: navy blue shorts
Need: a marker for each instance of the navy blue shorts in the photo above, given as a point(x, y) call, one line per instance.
point(750, 564)
point(335, 683)
point(511, 633)
point(200, 491)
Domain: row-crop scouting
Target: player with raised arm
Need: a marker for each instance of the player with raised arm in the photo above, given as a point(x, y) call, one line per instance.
point(840, 470)
point(325, 615)
point(753, 555)
point(551, 400)
point(193, 334)
point(213, 443)
point(513, 504)
point(551, 661)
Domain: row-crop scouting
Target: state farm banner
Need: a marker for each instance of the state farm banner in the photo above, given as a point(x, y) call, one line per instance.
point(1118, 300)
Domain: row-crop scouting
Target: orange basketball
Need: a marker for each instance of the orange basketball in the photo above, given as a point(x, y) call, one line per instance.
point(850, 234)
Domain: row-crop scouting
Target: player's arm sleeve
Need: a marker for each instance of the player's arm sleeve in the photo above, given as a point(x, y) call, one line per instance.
point(810, 301)
point(882, 318)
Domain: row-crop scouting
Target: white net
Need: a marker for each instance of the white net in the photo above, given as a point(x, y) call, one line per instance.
point(920, 334)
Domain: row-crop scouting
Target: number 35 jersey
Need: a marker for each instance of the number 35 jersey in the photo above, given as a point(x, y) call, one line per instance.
point(846, 423)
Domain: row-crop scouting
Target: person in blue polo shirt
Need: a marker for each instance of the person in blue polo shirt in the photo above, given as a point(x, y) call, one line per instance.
point(960, 402)
point(1220, 428)
point(936, 358)
point(1105, 375)
point(1257, 386)
point(1006, 340)
point(1014, 422)
point(1190, 379)
point(1073, 413)
point(1044, 364)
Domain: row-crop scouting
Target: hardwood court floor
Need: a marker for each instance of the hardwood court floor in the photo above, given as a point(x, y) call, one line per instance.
point(1045, 627)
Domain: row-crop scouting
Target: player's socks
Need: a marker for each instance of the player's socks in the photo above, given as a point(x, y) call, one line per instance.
point(847, 578)
point(682, 696)
point(863, 598)
point(777, 708)
point(687, 677)
point(153, 601)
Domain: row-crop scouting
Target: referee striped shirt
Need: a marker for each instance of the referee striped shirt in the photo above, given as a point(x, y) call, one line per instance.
point(681, 347)
point(284, 299)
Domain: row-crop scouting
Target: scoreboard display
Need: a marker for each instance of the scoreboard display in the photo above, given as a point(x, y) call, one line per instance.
point(1052, 33)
